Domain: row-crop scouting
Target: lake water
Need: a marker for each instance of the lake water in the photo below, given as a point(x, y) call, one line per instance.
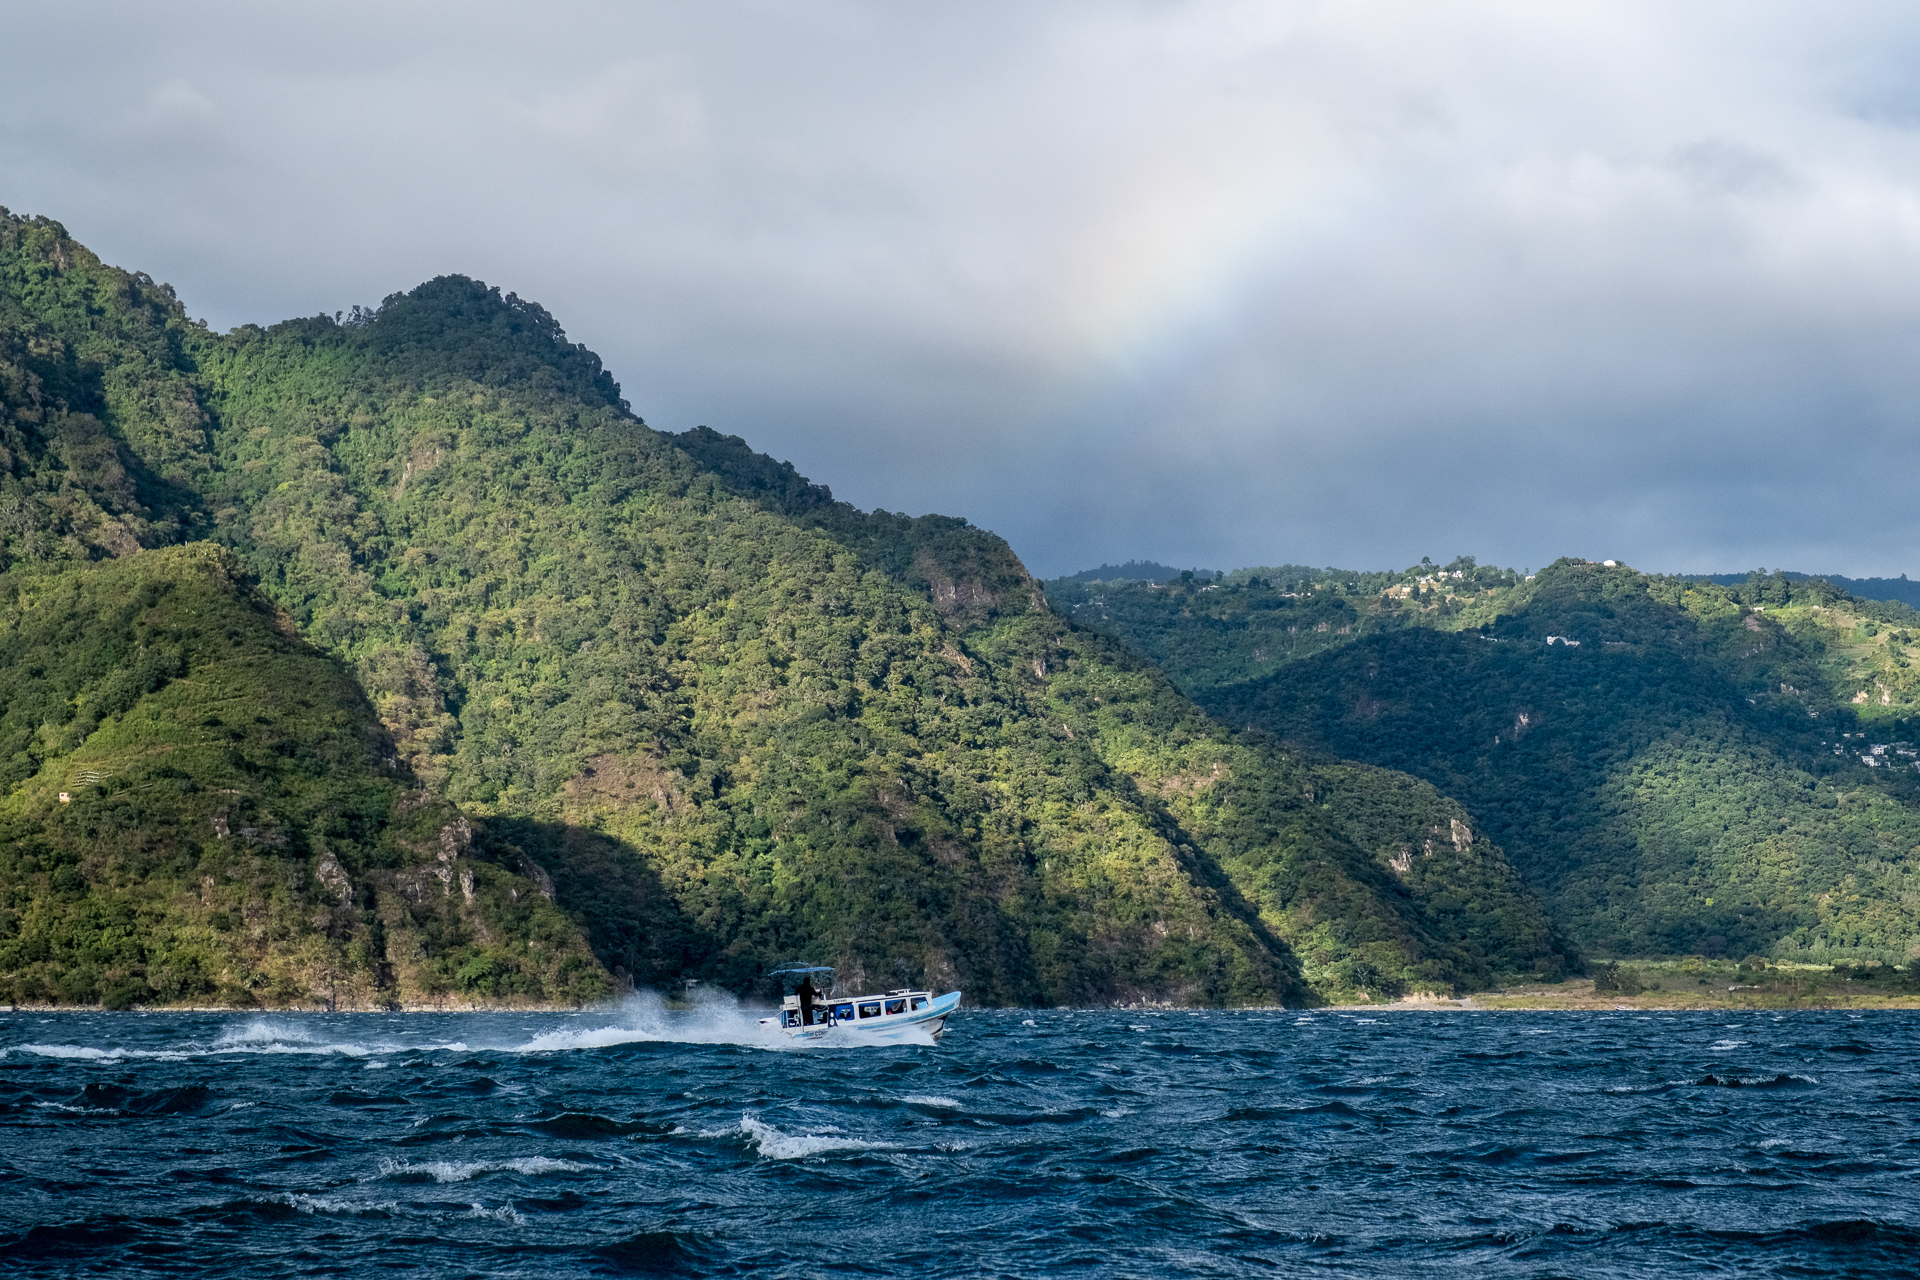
point(1030, 1143)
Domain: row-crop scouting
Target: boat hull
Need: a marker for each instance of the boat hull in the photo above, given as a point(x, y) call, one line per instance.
point(910, 1026)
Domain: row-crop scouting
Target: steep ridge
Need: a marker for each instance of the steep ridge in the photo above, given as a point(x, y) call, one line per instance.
point(1704, 769)
point(729, 719)
point(1324, 848)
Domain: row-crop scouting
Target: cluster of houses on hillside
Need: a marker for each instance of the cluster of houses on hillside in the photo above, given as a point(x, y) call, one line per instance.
point(1879, 753)
point(1428, 580)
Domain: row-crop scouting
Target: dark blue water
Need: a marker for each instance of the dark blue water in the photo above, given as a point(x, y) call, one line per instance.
point(1025, 1144)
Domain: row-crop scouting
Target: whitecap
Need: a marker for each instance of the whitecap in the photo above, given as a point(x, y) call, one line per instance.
point(333, 1204)
point(255, 1037)
point(775, 1145)
point(1029, 1022)
point(931, 1100)
point(1723, 1046)
point(464, 1170)
point(67, 1051)
point(88, 1053)
point(286, 1036)
point(261, 1031)
point(505, 1213)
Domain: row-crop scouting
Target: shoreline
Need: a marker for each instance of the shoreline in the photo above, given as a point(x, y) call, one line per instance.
point(1670, 986)
point(1509, 1001)
point(1578, 996)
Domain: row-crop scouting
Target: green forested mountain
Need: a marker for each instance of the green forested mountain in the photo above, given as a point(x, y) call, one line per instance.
point(171, 756)
point(719, 718)
point(1901, 590)
point(1207, 633)
point(1675, 766)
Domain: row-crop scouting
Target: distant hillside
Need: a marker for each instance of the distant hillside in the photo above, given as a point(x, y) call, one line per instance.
point(1899, 589)
point(721, 718)
point(1256, 621)
point(1136, 571)
point(1675, 766)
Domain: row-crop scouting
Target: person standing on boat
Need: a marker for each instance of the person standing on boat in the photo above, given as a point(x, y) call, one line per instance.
point(806, 991)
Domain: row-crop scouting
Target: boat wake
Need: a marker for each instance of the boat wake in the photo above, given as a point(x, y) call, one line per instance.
point(641, 1018)
point(644, 1017)
point(258, 1036)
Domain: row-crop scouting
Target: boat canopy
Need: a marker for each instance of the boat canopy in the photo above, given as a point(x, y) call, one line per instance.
point(799, 969)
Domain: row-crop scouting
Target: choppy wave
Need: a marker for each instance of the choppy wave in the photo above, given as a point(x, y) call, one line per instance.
point(465, 1170)
point(643, 1139)
point(338, 1205)
point(95, 1053)
point(1779, 1080)
point(505, 1213)
point(775, 1145)
point(282, 1035)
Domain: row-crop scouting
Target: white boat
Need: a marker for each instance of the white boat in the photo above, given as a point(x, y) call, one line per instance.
point(903, 1014)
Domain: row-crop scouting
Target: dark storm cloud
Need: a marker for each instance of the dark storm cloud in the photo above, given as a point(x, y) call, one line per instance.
point(1211, 283)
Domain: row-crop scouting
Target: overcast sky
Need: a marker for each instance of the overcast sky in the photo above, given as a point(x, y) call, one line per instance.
point(1217, 284)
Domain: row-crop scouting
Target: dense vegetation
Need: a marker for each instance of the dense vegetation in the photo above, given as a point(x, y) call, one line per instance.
point(1900, 590)
point(727, 719)
point(197, 810)
point(1212, 632)
point(1710, 768)
point(1136, 571)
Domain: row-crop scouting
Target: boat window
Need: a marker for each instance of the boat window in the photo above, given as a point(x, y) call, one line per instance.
point(792, 1018)
point(843, 1012)
point(896, 1006)
point(919, 1002)
point(870, 1010)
